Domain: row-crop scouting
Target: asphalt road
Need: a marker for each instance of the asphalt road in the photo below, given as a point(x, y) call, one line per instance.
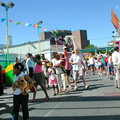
point(100, 102)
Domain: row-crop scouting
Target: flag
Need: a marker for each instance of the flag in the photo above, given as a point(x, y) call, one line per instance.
point(114, 19)
point(10, 20)
point(2, 20)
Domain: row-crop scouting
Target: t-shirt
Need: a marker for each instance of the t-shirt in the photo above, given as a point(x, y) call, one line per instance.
point(52, 75)
point(29, 63)
point(77, 59)
point(114, 57)
point(91, 60)
point(67, 63)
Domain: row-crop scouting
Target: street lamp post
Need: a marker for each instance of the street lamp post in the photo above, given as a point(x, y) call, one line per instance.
point(38, 26)
point(10, 5)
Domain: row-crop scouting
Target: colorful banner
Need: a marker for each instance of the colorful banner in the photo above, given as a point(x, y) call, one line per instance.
point(29, 25)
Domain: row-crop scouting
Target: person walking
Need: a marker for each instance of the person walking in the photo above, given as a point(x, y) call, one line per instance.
point(67, 66)
point(52, 79)
point(114, 60)
point(92, 64)
point(78, 66)
point(44, 67)
point(56, 64)
point(39, 77)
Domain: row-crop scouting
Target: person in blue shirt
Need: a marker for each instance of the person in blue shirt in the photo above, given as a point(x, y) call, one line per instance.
point(29, 65)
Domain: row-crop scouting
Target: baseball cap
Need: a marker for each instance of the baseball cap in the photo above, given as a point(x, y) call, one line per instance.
point(64, 47)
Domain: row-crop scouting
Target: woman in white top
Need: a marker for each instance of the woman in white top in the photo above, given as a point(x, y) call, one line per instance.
point(92, 64)
point(57, 65)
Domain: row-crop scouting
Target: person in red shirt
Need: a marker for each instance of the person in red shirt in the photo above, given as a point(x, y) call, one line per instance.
point(67, 65)
point(106, 62)
point(62, 58)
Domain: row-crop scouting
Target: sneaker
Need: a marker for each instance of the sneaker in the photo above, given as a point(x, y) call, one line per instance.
point(75, 88)
point(107, 77)
point(86, 87)
point(100, 74)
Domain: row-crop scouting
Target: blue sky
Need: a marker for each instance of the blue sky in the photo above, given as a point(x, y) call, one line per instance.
point(91, 15)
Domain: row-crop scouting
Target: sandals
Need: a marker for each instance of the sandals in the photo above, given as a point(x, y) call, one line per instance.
point(33, 100)
point(70, 88)
point(65, 91)
point(47, 98)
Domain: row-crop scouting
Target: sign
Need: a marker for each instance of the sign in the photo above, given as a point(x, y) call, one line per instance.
point(59, 47)
point(111, 43)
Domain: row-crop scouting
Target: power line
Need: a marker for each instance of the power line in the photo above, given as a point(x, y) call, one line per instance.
point(100, 38)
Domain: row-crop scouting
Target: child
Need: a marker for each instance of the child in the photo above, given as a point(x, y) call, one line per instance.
point(100, 67)
point(62, 58)
point(52, 78)
point(19, 98)
point(39, 77)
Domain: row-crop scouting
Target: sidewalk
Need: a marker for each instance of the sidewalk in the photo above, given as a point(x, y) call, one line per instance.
point(100, 102)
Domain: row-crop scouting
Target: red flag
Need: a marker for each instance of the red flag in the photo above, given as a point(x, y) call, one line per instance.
point(34, 25)
point(10, 20)
point(114, 19)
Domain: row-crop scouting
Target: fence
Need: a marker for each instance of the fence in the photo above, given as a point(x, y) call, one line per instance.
point(3, 59)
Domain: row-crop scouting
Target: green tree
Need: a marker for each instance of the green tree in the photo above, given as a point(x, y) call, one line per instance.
point(91, 46)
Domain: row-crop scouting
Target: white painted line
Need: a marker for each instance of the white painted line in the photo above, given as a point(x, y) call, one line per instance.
point(52, 110)
point(3, 108)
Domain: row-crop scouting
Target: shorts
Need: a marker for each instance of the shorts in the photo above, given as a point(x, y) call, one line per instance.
point(91, 65)
point(77, 73)
point(106, 64)
point(100, 66)
point(67, 72)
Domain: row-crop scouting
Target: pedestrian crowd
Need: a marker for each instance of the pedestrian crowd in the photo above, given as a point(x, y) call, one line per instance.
point(56, 73)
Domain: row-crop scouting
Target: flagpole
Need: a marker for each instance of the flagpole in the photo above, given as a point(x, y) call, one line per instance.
point(7, 44)
point(38, 26)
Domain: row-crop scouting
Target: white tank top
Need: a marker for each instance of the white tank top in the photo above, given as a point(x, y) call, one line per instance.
point(17, 91)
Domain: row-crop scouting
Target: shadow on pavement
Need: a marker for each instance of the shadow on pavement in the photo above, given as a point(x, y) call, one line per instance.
point(106, 117)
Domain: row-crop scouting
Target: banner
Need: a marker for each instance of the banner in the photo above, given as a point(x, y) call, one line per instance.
point(114, 19)
point(29, 25)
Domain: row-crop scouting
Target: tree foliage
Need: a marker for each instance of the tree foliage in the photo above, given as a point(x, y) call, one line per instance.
point(91, 46)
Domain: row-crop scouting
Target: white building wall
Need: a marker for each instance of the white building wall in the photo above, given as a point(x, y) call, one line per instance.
point(30, 47)
point(33, 47)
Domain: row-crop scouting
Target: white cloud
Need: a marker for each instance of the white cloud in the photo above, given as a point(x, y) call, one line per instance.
point(117, 6)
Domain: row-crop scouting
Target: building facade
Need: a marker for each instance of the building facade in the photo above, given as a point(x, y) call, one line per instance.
point(81, 38)
point(47, 45)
